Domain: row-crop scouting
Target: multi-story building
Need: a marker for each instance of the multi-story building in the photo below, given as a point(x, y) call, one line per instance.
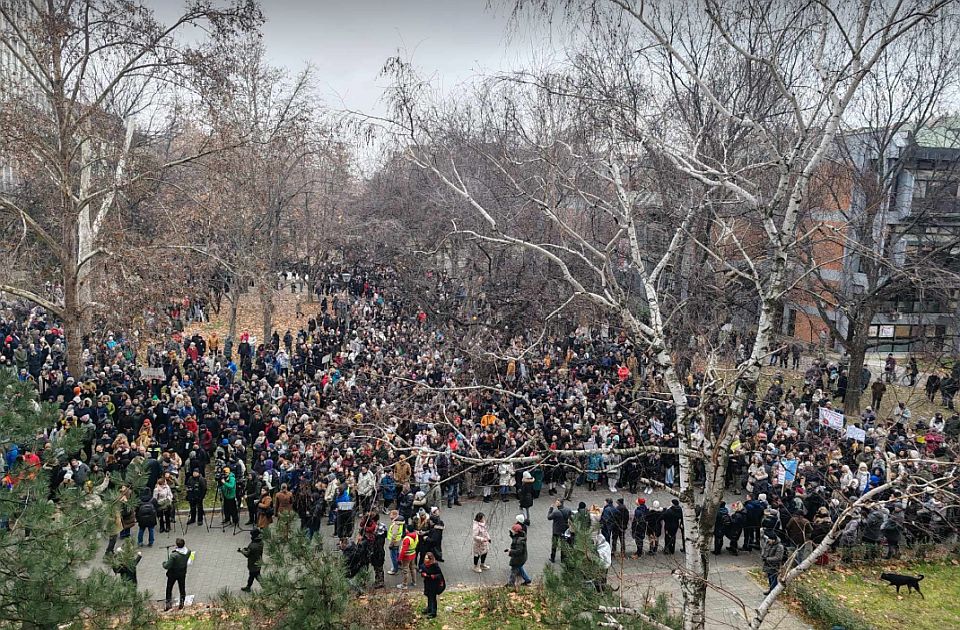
point(909, 209)
point(14, 78)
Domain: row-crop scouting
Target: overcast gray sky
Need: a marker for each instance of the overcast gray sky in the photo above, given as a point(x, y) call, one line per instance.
point(349, 40)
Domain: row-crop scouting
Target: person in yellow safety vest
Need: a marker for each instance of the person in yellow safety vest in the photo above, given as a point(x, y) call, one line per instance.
point(394, 537)
point(408, 556)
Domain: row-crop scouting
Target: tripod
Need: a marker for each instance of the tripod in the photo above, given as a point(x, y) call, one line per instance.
point(223, 516)
point(179, 519)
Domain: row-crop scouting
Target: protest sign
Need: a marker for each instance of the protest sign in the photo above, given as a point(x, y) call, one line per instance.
point(831, 418)
point(856, 433)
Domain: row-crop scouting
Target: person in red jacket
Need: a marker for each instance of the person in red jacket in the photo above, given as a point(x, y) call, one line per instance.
point(408, 556)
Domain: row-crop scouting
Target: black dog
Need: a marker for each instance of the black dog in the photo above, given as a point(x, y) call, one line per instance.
point(912, 583)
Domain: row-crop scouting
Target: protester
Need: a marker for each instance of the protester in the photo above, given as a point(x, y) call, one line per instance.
point(772, 555)
point(433, 584)
point(481, 543)
point(290, 430)
point(254, 555)
point(518, 555)
point(176, 565)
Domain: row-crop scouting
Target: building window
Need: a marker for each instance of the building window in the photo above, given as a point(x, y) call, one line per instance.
point(791, 327)
point(906, 338)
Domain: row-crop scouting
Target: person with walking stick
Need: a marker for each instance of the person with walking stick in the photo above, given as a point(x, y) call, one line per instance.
point(176, 565)
point(254, 555)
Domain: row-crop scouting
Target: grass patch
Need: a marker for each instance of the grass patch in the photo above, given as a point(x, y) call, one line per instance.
point(473, 609)
point(858, 599)
point(480, 609)
point(206, 620)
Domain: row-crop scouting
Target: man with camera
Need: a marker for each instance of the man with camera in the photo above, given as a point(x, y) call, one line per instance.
point(228, 490)
point(254, 555)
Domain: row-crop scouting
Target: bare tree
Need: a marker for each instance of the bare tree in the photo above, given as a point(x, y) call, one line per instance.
point(92, 117)
point(273, 172)
point(741, 102)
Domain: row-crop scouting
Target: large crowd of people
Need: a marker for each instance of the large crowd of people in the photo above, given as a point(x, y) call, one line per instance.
point(369, 419)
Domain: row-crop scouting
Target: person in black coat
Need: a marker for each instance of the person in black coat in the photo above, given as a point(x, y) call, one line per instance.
point(672, 519)
point(433, 584)
point(621, 523)
point(196, 491)
point(525, 494)
point(560, 516)
point(638, 528)
point(377, 554)
point(607, 518)
point(654, 527)
point(720, 524)
point(146, 518)
point(254, 555)
point(738, 520)
point(518, 555)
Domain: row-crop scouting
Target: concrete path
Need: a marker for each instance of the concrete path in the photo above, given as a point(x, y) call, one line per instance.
point(218, 565)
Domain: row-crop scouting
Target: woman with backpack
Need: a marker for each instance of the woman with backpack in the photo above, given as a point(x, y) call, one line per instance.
point(146, 518)
point(433, 584)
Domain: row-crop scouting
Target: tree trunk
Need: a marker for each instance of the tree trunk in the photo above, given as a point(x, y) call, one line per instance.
point(72, 304)
point(266, 310)
point(72, 327)
point(693, 583)
point(234, 299)
point(856, 347)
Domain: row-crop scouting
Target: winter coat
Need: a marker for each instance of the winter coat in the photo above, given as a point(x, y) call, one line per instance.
point(621, 519)
point(433, 581)
point(870, 527)
point(560, 518)
point(505, 474)
point(525, 494)
point(639, 527)
point(264, 512)
point(851, 534)
point(672, 517)
point(654, 522)
point(196, 489)
point(147, 514)
point(388, 488)
point(254, 554)
point(772, 555)
point(594, 465)
point(799, 529)
point(377, 553)
point(518, 549)
point(893, 527)
point(481, 538)
point(366, 484)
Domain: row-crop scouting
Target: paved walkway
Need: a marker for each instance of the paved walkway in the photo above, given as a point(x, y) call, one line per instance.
point(218, 565)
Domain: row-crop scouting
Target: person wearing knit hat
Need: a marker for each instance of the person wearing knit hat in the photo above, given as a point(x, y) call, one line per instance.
point(523, 522)
point(518, 555)
point(525, 494)
point(638, 527)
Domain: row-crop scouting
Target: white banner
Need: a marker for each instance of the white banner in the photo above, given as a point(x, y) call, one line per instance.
point(149, 372)
point(857, 434)
point(831, 418)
